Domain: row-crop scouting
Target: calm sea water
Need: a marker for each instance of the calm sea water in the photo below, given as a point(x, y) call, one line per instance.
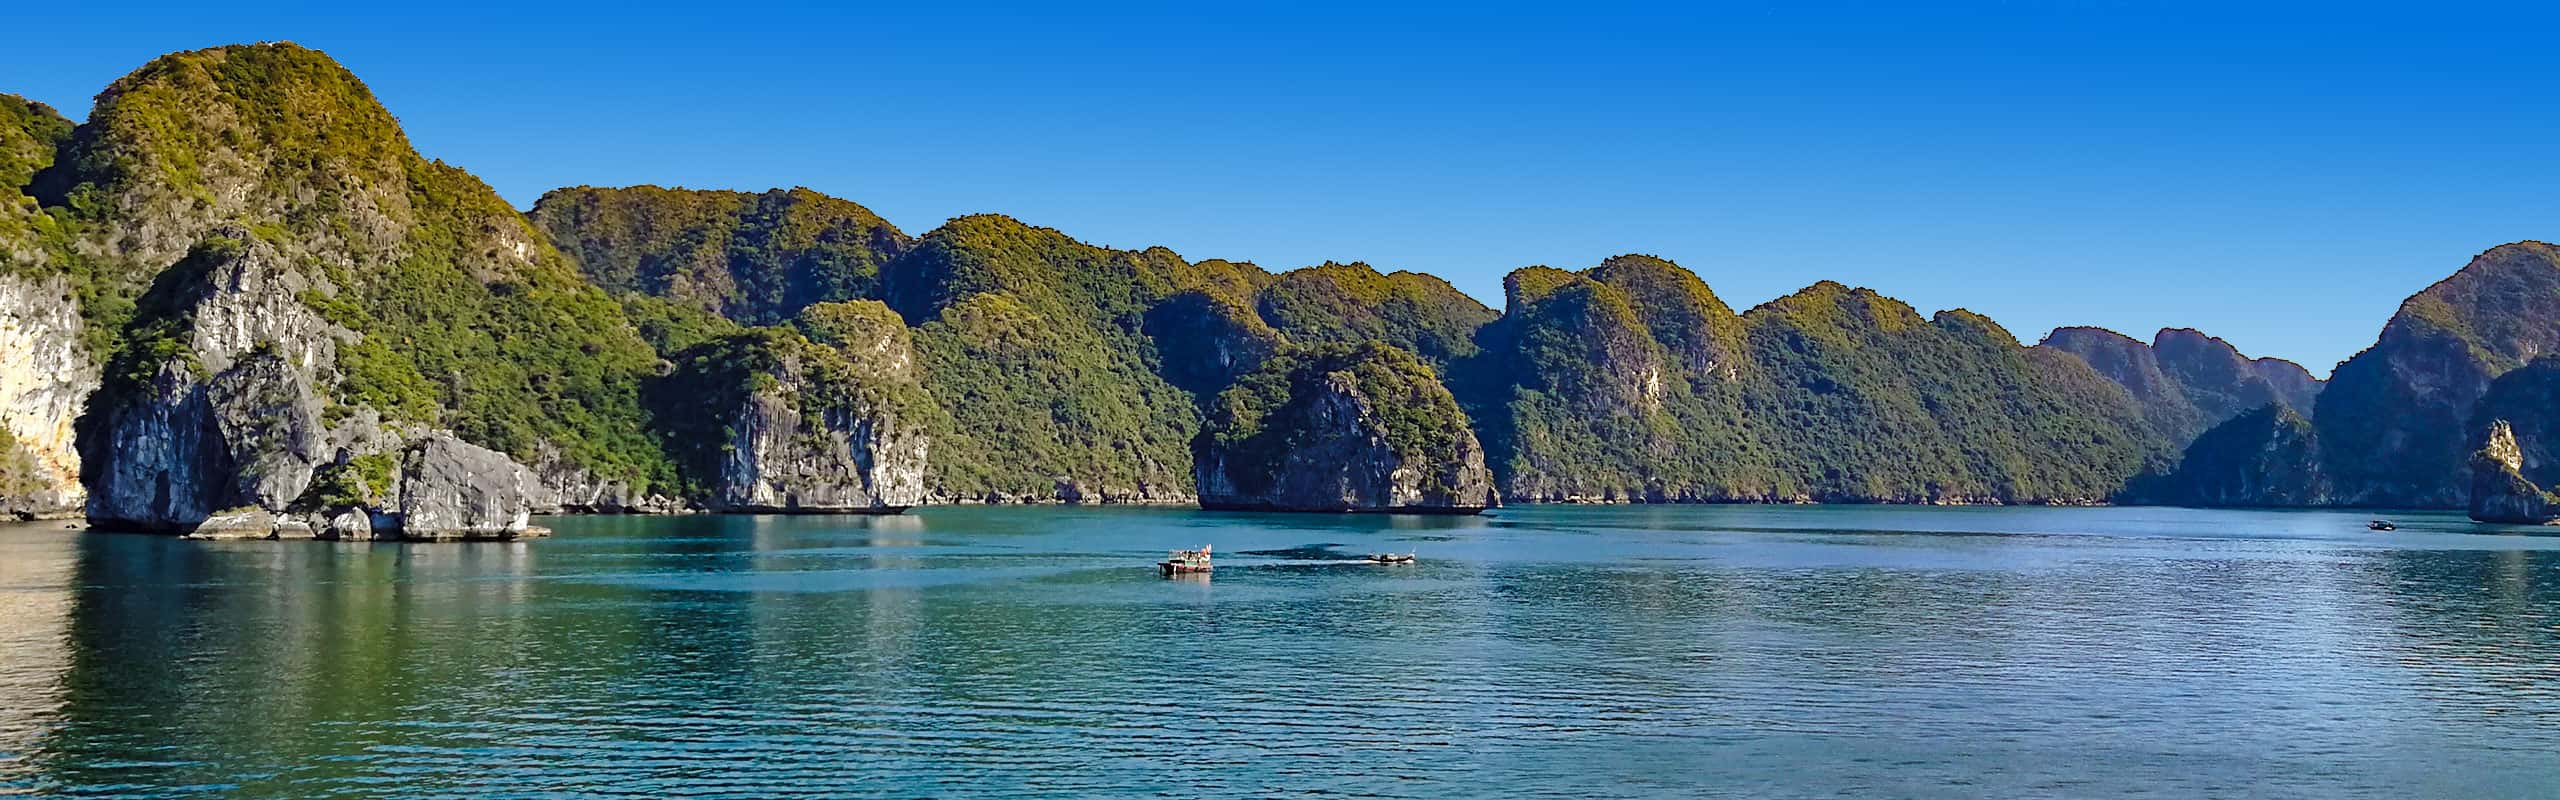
point(1560, 652)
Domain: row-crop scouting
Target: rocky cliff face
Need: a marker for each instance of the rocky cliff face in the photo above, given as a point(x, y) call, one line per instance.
point(2293, 385)
point(452, 489)
point(1207, 338)
point(849, 460)
point(2394, 422)
point(2391, 428)
point(214, 405)
point(301, 274)
point(2186, 381)
point(1345, 428)
point(2524, 402)
point(561, 486)
point(46, 371)
point(2269, 457)
point(46, 376)
point(215, 423)
point(2499, 490)
point(434, 488)
point(1581, 397)
point(321, 301)
point(828, 416)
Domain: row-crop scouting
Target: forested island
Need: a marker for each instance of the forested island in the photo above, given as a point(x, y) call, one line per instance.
point(236, 302)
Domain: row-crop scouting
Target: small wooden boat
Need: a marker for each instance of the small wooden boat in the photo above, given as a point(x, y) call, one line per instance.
point(1391, 558)
point(2381, 525)
point(1183, 562)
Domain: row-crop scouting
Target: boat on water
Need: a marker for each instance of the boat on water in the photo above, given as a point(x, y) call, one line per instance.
point(1182, 562)
point(2381, 525)
point(1391, 558)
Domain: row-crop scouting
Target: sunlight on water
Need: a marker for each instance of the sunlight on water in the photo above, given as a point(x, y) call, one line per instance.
point(1559, 652)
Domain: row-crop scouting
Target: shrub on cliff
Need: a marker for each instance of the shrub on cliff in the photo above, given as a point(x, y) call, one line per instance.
point(468, 319)
point(1341, 427)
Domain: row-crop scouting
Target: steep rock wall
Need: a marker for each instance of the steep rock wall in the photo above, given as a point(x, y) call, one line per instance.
point(45, 380)
point(2499, 490)
point(1365, 428)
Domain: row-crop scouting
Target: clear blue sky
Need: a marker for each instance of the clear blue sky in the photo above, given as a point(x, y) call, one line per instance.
point(2280, 176)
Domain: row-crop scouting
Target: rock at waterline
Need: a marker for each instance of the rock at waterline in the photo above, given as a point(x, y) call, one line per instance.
point(1366, 428)
point(826, 416)
point(452, 489)
point(2499, 491)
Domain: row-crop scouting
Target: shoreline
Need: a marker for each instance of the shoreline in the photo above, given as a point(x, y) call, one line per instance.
point(81, 523)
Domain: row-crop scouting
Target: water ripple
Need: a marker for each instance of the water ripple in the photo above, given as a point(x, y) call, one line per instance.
point(1550, 652)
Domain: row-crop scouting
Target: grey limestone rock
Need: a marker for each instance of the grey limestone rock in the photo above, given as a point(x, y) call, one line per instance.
point(452, 489)
point(2499, 490)
point(1315, 434)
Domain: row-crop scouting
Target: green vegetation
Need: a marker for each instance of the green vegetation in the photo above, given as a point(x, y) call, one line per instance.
point(30, 239)
point(1270, 414)
point(274, 136)
point(1693, 325)
point(522, 351)
point(864, 328)
point(165, 133)
point(29, 133)
point(157, 334)
point(2399, 424)
point(1876, 403)
point(1206, 338)
point(674, 327)
point(2215, 377)
point(1037, 344)
point(1061, 362)
point(370, 374)
point(2266, 457)
point(2186, 381)
point(19, 474)
point(2396, 422)
point(1353, 303)
point(1046, 271)
point(1071, 367)
point(470, 321)
point(837, 359)
point(1632, 381)
point(754, 258)
point(1576, 397)
point(362, 482)
point(1038, 398)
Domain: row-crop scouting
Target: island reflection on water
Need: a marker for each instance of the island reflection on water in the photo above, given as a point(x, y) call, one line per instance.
point(1550, 651)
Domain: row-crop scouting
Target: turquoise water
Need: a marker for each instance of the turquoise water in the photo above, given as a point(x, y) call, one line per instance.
point(1553, 651)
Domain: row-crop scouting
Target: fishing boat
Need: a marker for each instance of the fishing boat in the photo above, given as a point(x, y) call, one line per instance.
point(1181, 562)
point(1391, 558)
point(2381, 525)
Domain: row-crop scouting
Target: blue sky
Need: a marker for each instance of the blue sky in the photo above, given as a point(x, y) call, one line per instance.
point(2280, 176)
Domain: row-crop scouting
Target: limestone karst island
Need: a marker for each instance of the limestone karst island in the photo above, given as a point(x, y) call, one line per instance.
point(382, 414)
point(240, 304)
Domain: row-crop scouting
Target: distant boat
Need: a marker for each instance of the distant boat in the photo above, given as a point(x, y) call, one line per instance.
point(1391, 558)
point(2381, 525)
point(1181, 562)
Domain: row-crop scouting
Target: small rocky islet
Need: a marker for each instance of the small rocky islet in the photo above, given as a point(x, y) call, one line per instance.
point(235, 302)
point(1363, 427)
